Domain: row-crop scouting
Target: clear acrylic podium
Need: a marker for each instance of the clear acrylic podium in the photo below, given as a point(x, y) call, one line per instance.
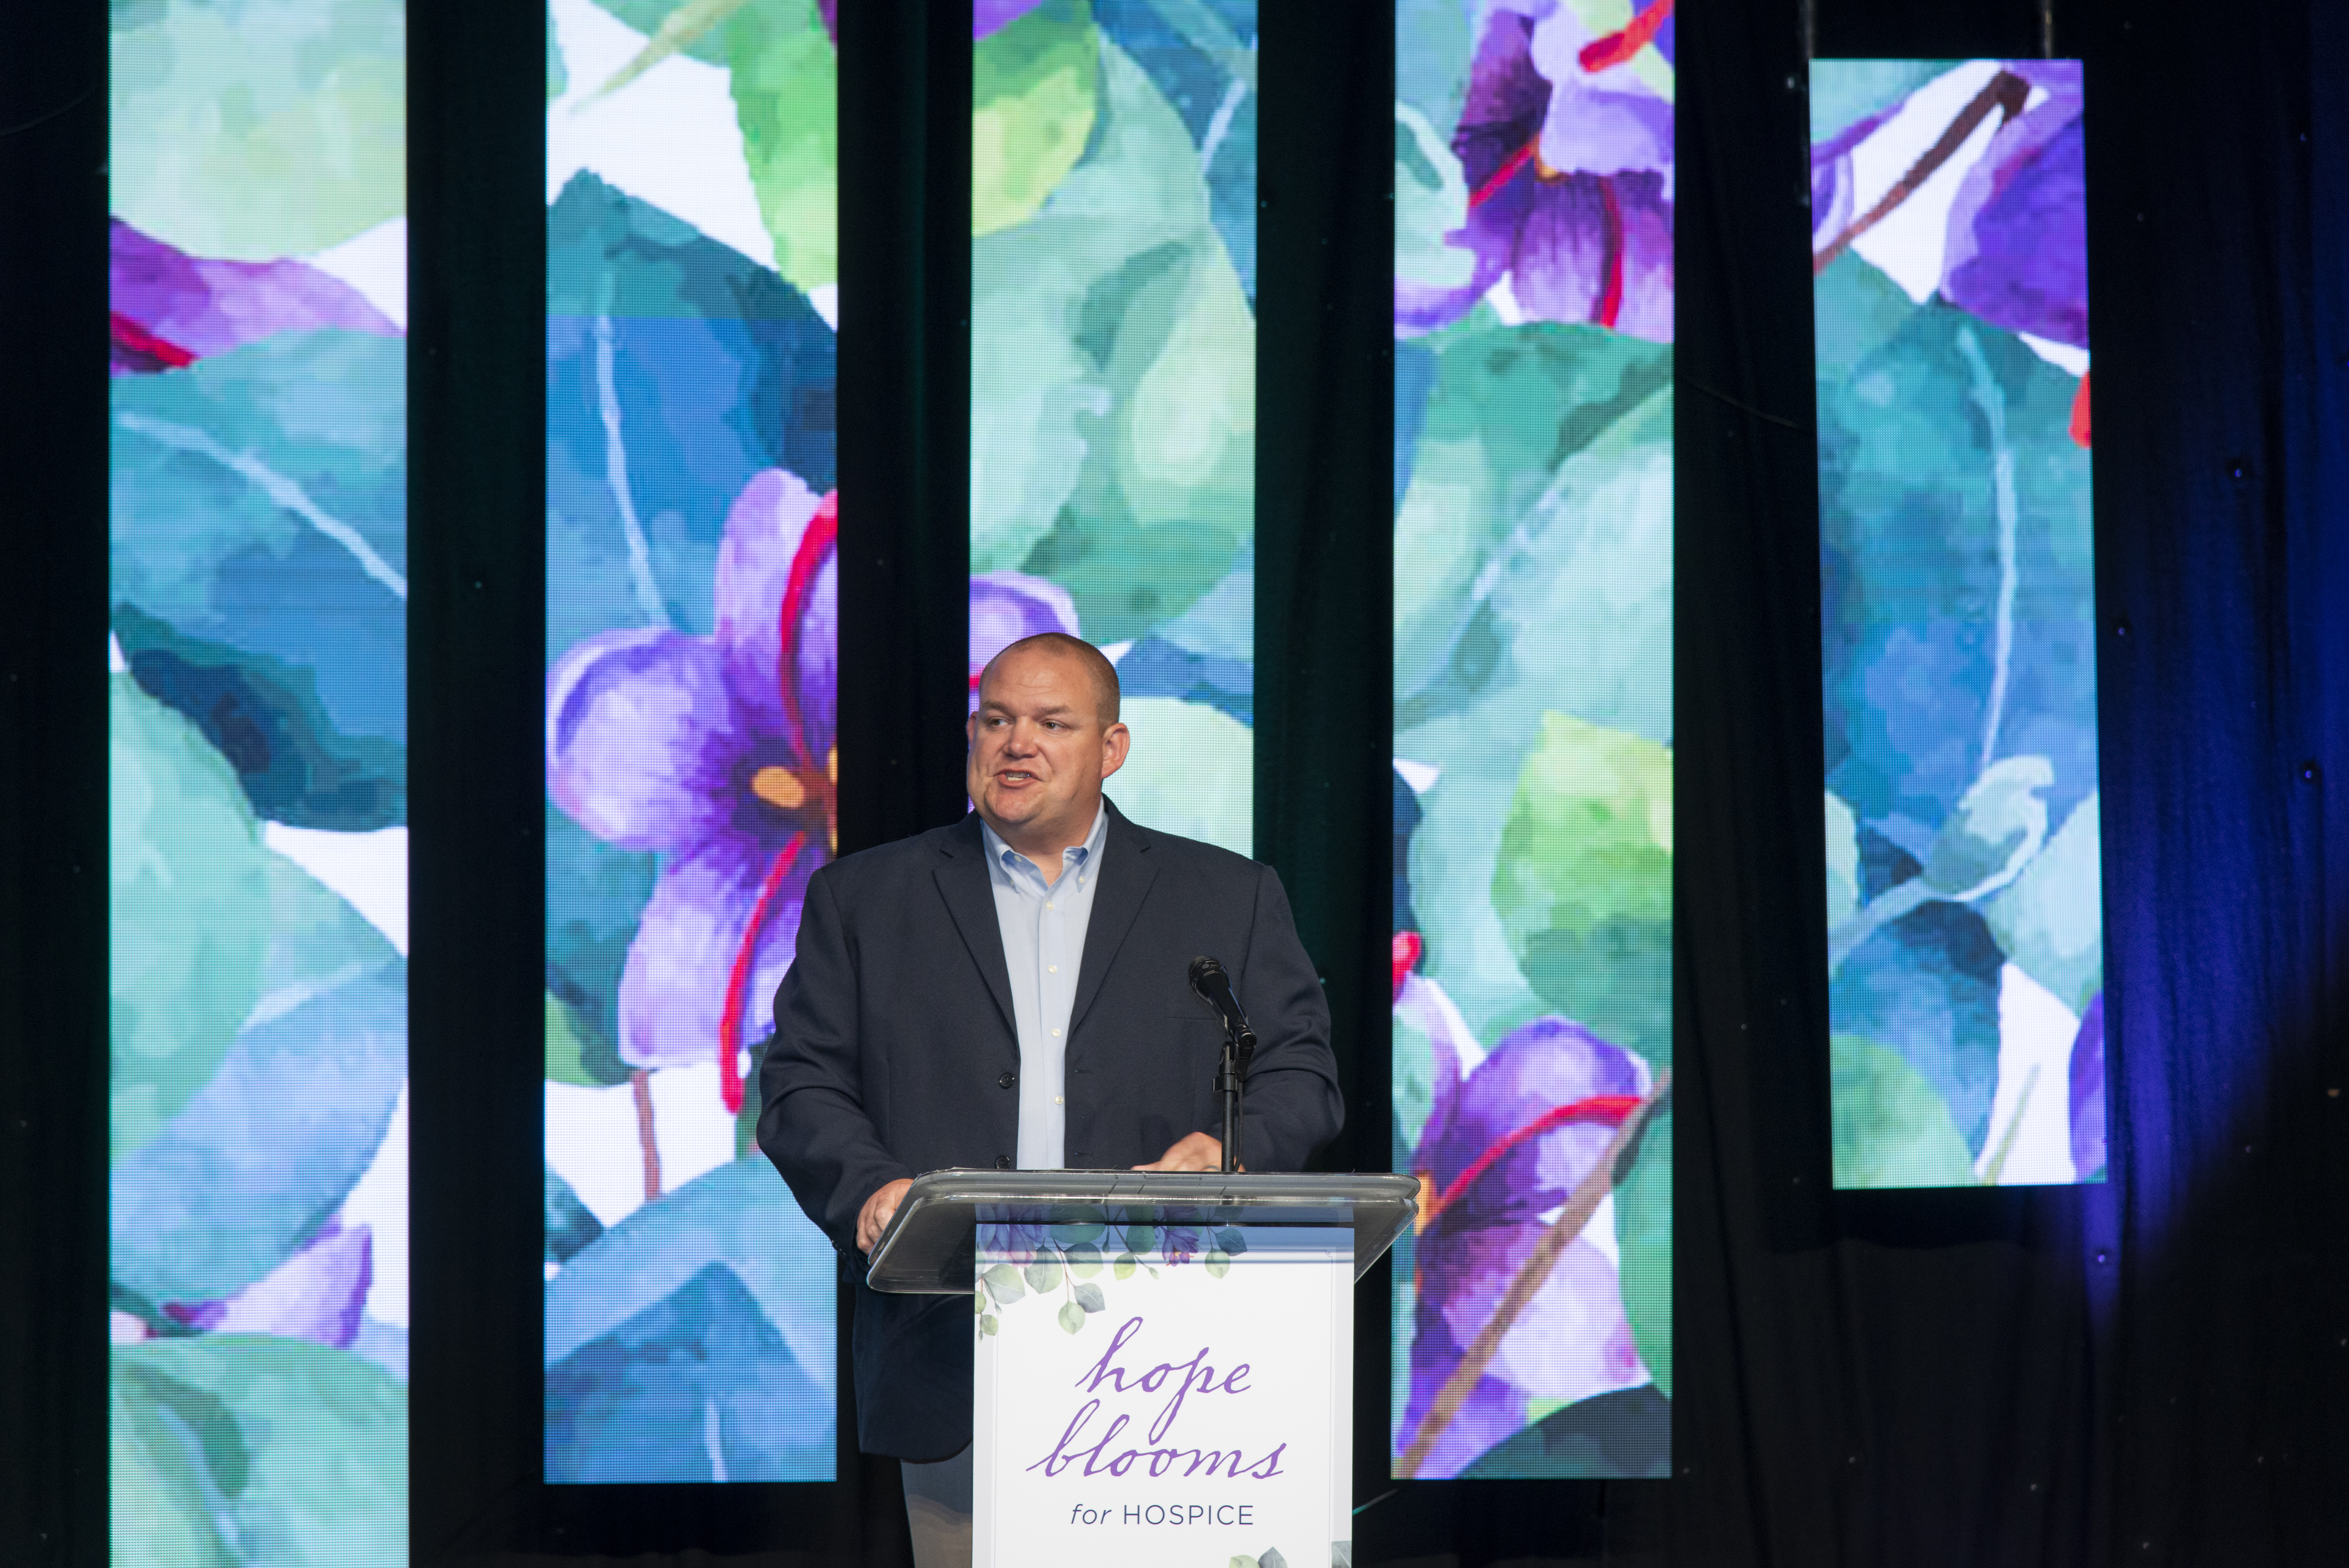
point(1163, 1361)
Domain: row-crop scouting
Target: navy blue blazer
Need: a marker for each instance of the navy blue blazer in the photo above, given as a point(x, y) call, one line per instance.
point(895, 1053)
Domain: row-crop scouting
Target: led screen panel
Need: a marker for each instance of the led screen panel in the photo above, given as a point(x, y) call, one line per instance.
point(1533, 739)
point(258, 806)
point(691, 640)
point(1113, 468)
point(1965, 895)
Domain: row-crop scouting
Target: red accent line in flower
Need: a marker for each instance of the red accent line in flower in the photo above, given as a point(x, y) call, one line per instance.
point(1504, 174)
point(127, 334)
point(2080, 412)
point(1408, 947)
point(822, 531)
point(1615, 48)
point(1610, 303)
point(1607, 1110)
point(738, 982)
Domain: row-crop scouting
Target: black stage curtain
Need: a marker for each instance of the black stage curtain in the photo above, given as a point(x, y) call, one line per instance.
point(2156, 1371)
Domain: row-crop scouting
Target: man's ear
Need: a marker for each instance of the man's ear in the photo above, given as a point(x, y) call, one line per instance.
point(1115, 743)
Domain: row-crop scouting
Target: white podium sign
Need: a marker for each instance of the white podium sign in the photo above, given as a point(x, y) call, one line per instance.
point(1163, 1394)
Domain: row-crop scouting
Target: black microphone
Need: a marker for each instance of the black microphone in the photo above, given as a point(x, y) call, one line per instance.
point(1214, 987)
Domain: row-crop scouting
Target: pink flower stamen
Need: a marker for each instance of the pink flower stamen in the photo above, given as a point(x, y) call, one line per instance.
point(1608, 1110)
point(1610, 303)
point(136, 340)
point(1504, 174)
point(1615, 48)
point(822, 530)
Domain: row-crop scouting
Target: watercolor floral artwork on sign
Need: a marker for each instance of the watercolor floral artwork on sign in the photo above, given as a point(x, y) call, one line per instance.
point(1113, 370)
point(1533, 788)
point(257, 770)
point(1958, 610)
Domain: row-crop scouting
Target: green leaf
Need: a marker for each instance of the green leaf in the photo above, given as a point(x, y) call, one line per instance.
point(1430, 204)
point(1003, 1285)
point(786, 99)
point(1643, 1235)
point(1090, 1297)
point(189, 904)
point(1843, 862)
point(1034, 89)
point(1219, 1263)
point(1191, 772)
point(1113, 379)
point(2050, 920)
point(1140, 1239)
point(572, 1060)
point(1244, 1561)
point(1085, 1260)
point(1075, 1235)
point(1124, 1268)
point(235, 1450)
point(1844, 92)
point(1434, 41)
point(1072, 1316)
point(1231, 1241)
point(1998, 826)
point(987, 1323)
point(1891, 1128)
point(1043, 1274)
point(978, 1300)
point(570, 1228)
point(1584, 880)
point(252, 132)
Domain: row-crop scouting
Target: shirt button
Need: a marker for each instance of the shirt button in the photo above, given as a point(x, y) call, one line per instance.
point(1047, 905)
point(1051, 969)
point(1008, 1079)
point(1002, 1162)
point(1058, 1100)
point(1056, 1034)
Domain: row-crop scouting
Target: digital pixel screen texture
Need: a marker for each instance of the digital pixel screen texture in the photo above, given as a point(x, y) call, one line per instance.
point(1964, 890)
point(1533, 738)
point(693, 531)
point(1113, 464)
point(257, 777)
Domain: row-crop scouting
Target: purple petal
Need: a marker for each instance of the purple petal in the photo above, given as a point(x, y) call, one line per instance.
point(2018, 234)
point(993, 15)
point(1422, 1005)
point(1008, 605)
point(210, 306)
point(1492, 1410)
point(1507, 101)
point(1568, 242)
point(681, 965)
point(1832, 180)
point(1609, 123)
point(1546, 1065)
point(764, 530)
point(318, 1294)
point(644, 744)
point(1571, 1341)
point(2089, 1091)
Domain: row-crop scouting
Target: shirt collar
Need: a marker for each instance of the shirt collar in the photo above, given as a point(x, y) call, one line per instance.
point(1086, 853)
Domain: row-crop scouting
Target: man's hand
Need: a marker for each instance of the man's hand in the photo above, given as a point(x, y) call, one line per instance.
point(1195, 1151)
point(874, 1217)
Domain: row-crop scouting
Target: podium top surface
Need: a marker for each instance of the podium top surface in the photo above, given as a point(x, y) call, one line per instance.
point(929, 1246)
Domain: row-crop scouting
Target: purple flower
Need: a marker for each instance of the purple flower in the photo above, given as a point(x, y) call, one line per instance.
point(1501, 1151)
point(1013, 1242)
point(1568, 154)
point(2087, 1078)
point(167, 309)
point(1008, 605)
point(993, 15)
point(318, 1294)
point(716, 752)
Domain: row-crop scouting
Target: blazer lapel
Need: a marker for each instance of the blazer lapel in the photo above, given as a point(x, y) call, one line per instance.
point(969, 894)
point(1126, 873)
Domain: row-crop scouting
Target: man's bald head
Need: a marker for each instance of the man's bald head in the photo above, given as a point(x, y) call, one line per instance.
point(1098, 670)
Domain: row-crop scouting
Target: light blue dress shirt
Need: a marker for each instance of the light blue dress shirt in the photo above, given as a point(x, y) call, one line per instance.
point(1043, 929)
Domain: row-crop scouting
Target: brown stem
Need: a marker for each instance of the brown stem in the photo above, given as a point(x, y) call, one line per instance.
point(1531, 1276)
point(642, 1083)
point(2006, 92)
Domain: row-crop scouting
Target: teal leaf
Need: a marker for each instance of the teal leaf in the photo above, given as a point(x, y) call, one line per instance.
point(2050, 920)
point(1925, 988)
point(1085, 1260)
point(1072, 1316)
point(1075, 1235)
point(1584, 881)
point(1999, 825)
point(1643, 1236)
point(1003, 1285)
point(1851, 90)
point(237, 1449)
point(573, 1057)
point(1891, 1128)
point(189, 904)
point(1191, 772)
point(1434, 41)
point(1043, 1274)
point(596, 894)
point(557, 79)
point(1843, 862)
point(1090, 1297)
point(1232, 1240)
point(275, 1138)
point(252, 132)
point(1140, 1239)
point(702, 1322)
point(259, 544)
point(1113, 361)
point(569, 1225)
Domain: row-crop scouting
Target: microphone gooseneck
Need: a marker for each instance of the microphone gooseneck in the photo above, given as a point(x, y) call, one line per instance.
point(1212, 985)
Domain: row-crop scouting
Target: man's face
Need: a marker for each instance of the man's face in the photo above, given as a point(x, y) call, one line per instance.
point(1039, 749)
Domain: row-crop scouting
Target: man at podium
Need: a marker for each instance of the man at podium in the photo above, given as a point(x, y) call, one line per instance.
point(1013, 991)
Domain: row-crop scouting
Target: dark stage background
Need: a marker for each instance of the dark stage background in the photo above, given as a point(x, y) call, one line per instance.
point(2155, 1371)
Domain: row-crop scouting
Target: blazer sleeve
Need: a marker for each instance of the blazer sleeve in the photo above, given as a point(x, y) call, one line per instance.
point(813, 1121)
point(1293, 1104)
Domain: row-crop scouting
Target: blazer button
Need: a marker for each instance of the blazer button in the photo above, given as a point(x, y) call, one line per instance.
point(1002, 1162)
point(1005, 1081)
